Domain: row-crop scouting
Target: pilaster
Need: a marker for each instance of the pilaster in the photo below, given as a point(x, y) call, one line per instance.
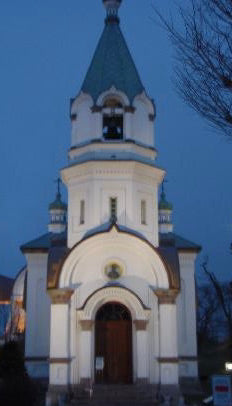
point(59, 338)
point(86, 355)
point(168, 358)
point(142, 353)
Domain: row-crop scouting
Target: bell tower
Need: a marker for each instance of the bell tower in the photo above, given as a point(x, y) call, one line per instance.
point(112, 154)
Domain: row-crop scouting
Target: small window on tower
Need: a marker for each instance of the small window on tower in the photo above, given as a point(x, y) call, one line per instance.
point(113, 207)
point(143, 212)
point(82, 212)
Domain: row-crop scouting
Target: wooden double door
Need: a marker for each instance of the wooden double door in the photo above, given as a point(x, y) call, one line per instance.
point(113, 345)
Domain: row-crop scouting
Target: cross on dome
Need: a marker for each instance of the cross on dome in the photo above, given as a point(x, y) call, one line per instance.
point(58, 181)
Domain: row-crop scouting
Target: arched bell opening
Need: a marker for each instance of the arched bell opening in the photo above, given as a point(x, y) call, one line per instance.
point(112, 114)
point(113, 344)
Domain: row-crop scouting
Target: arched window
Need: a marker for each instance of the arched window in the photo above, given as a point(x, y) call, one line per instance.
point(112, 120)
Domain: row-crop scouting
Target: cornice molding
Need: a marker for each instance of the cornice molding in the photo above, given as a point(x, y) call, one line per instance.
point(86, 325)
point(168, 360)
point(59, 360)
point(140, 325)
point(91, 168)
point(166, 296)
point(188, 358)
point(60, 296)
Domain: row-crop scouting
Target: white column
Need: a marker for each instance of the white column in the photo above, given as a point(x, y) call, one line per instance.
point(168, 357)
point(98, 122)
point(59, 338)
point(142, 350)
point(86, 351)
point(128, 122)
point(168, 331)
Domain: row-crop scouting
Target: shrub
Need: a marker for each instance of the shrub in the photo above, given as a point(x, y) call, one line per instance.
point(16, 388)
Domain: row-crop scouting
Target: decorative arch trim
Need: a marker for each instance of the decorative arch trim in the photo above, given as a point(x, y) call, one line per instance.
point(113, 293)
point(173, 276)
point(78, 100)
point(113, 92)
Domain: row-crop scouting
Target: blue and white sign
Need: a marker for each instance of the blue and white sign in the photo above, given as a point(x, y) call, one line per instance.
point(221, 390)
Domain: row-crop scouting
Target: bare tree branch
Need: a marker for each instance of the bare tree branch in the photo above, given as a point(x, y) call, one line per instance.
point(203, 73)
point(223, 293)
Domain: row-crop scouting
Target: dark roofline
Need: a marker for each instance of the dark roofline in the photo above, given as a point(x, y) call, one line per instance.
point(180, 243)
point(43, 247)
point(33, 250)
point(190, 250)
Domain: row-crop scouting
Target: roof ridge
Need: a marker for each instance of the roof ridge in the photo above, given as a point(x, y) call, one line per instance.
point(130, 54)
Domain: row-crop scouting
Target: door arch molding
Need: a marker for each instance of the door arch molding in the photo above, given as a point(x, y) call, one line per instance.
point(113, 294)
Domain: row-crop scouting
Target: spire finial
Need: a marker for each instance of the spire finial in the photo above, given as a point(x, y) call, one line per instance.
point(58, 181)
point(165, 212)
point(112, 7)
point(163, 195)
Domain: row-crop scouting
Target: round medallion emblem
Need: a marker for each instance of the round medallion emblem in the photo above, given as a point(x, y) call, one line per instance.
point(113, 271)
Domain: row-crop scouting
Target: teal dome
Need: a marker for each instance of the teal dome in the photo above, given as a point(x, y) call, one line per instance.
point(164, 204)
point(58, 204)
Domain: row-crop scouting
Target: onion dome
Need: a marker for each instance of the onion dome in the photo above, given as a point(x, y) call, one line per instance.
point(165, 214)
point(58, 204)
point(58, 213)
point(163, 203)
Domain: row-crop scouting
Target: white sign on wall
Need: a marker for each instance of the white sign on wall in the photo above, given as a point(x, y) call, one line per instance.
point(221, 390)
point(99, 363)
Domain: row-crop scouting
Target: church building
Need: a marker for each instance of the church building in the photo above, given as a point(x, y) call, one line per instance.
point(110, 288)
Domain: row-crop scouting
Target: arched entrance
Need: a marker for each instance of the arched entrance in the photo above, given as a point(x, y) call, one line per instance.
point(113, 344)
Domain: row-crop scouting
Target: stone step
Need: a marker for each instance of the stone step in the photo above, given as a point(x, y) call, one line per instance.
point(112, 403)
point(125, 403)
point(116, 395)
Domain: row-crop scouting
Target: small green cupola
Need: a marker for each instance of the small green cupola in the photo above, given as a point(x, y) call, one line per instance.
point(165, 213)
point(58, 213)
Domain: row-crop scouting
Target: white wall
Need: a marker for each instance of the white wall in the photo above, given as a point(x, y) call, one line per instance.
point(38, 307)
point(142, 125)
point(84, 126)
point(186, 312)
point(96, 182)
point(88, 125)
point(141, 268)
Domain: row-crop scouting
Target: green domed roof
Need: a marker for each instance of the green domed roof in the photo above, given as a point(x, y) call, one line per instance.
point(164, 204)
point(58, 204)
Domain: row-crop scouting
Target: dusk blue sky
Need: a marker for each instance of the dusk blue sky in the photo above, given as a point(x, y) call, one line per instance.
point(46, 48)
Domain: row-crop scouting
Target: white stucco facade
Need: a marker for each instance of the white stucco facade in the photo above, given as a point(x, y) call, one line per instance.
point(163, 319)
point(113, 224)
